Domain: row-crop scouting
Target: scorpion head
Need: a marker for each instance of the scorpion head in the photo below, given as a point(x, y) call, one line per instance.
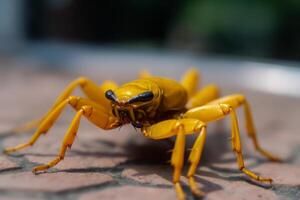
point(135, 102)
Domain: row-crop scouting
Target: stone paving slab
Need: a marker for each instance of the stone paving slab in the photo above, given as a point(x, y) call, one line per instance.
point(52, 182)
point(131, 193)
point(122, 164)
point(6, 164)
point(146, 176)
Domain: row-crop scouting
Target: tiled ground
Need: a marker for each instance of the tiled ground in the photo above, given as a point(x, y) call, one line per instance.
point(121, 164)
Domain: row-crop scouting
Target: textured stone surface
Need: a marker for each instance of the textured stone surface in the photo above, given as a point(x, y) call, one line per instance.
point(52, 182)
point(6, 164)
point(131, 193)
point(217, 185)
point(281, 173)
point(148, 175)
point(122, 164)
point(78, 162)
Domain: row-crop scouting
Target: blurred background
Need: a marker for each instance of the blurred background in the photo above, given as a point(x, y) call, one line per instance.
point(262, 36)
point(251, 28)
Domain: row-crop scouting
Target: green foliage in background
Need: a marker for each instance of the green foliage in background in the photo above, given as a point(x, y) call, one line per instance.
point(240, 26)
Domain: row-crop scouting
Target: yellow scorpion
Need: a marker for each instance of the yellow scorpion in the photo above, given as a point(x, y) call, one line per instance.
point(160, 108)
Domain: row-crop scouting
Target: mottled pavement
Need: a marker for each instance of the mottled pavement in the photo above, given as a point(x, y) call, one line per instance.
point(121, 164)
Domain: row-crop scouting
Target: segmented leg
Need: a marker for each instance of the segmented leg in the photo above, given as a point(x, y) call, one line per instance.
point(190, 81)
point(236, 101)
point(68, 139)
point(219, 110)
point(89, 88)
point(194, 159)
point(101, 117)
point(203, 96)
point(180, 128)
point(177, 159)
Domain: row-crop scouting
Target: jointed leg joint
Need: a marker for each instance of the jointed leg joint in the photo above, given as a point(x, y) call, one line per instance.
point(181, 128)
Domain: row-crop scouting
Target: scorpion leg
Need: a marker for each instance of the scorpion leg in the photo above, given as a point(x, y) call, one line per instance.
point(94, 114)
point(180, 128)
point(190, 81)
point(235, 101)
point(177, 160)
point(103, 117)
point(195, 157)
point(203, 96)
point(214, 112)
point(67, 141)
point(198, 98)
point(89, 88)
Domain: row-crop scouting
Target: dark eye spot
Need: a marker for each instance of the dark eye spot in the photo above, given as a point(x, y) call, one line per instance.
point(109, 94)
point(146, 96)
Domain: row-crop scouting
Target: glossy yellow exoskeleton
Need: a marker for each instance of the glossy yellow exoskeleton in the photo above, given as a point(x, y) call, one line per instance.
point(161, 108)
